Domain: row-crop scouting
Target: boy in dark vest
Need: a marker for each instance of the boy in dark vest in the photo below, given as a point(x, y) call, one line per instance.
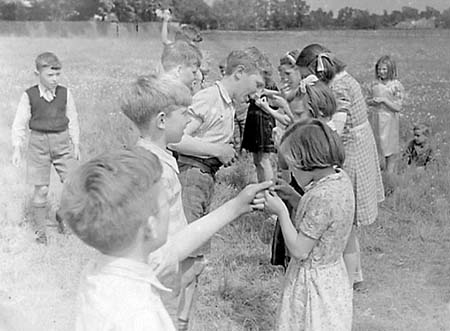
point(49, 112)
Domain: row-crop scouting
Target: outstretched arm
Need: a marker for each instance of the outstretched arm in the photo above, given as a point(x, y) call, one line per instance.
point(197, 233)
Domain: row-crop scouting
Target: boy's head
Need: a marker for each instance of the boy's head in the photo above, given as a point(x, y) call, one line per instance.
point(111, 202)
point(48, 69)
point(421, 134)
point(182, 61)
point(248, 68)
point(189, 33)
point(157, 104)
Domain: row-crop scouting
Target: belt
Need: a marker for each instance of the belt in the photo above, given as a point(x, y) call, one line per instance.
point(209, 165)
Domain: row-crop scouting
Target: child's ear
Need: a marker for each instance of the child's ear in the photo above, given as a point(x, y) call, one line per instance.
point(239, 71)
point(36, 72)
point(149, 229)
point(161, 118)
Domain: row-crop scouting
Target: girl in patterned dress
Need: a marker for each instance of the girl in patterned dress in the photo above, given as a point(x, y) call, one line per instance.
point(386, 99)
point(316, 295)
point(351, 123)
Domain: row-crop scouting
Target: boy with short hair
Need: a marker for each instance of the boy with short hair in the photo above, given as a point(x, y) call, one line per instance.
point(205, 147)
point(48, 110)
point(181, 61)
point(117, 204)
point(158, 108)
point(419, 151)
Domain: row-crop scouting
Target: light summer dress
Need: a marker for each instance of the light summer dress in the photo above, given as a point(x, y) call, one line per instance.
point(316, 294)
point(387, 125)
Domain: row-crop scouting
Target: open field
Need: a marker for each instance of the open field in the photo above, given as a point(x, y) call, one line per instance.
point(405, 253)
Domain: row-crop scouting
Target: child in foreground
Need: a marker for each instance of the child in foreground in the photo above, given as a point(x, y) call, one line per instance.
point(419, 151)
point(386, 99)
point(116, 204)
point(317, 295)
point(48, 110)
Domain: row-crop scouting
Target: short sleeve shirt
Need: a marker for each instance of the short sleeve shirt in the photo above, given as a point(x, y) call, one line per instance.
point(214, 108)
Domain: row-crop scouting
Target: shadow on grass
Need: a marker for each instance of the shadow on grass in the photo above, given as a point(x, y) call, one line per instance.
point(252, 307)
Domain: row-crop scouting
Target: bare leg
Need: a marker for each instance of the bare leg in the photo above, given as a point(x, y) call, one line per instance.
point(391, 163)
point(263, 166)
point(352, 259)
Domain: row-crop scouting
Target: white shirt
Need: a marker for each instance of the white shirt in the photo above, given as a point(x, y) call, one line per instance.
point(23, 115)
point(171, 183)
point(118, 294)
point(214, 108)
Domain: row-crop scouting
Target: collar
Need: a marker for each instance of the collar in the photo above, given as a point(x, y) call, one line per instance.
point(129, 269)
point(43, 91)
point(340, 74)
point(224, 93)
point(330, 177)
point(164, 155)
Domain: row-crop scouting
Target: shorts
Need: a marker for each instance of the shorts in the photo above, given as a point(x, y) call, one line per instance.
point(46, 149)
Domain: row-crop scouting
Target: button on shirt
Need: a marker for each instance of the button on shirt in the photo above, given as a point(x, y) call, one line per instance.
point(171, 184)
point(118, 294)
point(23, 115)
point(213, 107)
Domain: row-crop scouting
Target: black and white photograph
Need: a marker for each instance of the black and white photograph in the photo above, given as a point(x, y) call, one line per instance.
point(225, 165)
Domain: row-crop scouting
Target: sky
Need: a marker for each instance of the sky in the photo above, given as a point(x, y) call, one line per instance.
point(374, 6)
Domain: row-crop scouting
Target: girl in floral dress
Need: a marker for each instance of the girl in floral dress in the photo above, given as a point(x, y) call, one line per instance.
point(351, 123)
point(386, 99)
point(316, 294)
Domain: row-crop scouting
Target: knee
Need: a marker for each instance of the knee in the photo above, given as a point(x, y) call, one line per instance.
point(40, 195)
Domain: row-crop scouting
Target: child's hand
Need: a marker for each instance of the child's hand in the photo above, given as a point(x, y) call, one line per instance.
point(226, 154)
point(165, 14)
point(252, 197)
point(274, 204)
point(76, 152)
point(262, 103)
point(286, 192)
point(17, 157)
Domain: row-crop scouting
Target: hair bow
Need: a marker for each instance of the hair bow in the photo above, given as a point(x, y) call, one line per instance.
point(320, 66)
point(292, 60)
point(310, 81)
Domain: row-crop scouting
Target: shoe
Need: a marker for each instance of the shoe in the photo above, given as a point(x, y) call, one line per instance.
point(360, 287)
point(41, 237)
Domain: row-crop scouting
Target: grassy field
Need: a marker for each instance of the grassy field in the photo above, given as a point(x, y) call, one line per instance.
point(405, 253)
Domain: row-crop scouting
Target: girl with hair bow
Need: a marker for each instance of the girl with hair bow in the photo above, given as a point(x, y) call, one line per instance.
point(361, 157)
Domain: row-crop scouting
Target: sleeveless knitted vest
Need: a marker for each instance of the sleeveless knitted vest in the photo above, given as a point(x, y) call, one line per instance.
point(48, 116)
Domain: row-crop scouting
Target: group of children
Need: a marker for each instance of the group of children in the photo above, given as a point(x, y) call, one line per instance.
point(146, 209)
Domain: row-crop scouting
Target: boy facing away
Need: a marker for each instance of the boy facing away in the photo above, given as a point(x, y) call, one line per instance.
point(48, 110)
point(117, 204)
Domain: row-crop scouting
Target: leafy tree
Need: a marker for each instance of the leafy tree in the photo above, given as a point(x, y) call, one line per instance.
point(445, 18)
point(410, 13)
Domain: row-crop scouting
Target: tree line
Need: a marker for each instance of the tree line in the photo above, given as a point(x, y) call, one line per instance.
point(223, 14)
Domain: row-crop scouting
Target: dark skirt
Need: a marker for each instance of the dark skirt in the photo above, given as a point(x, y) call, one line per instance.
point(280, 255)
point(258, 131)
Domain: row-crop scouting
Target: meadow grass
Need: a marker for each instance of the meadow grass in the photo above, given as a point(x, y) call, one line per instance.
point(405, 253)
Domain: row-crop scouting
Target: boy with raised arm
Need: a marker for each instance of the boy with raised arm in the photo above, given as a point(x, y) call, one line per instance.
point(117, 204)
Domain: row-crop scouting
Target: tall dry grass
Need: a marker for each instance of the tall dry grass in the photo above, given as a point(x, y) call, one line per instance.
point(405, 253)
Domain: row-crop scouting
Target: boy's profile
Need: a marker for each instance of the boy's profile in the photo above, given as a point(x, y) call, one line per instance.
point(206, 146)
point(115, 203)
point(48, 111)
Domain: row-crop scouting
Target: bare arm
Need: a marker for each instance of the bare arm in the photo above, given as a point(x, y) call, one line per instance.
point(197, 233)
point(299, 245)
